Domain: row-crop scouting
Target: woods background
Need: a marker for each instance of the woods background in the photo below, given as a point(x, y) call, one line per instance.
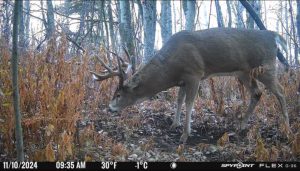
point(63, 110)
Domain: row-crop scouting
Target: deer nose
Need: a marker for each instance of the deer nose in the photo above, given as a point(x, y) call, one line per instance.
point(112, 109)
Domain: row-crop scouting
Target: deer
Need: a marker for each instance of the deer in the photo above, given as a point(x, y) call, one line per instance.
point(191, 56)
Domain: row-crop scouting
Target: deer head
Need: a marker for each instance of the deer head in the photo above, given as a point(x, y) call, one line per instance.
point(123, 94)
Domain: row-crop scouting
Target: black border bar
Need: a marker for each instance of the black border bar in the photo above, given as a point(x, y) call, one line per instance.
point(135, 166)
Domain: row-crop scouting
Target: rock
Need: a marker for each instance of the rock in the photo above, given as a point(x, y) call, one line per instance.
point(135, 135)
point(151, 159)
point(148, 155)
point(138, 151)
point(198, 153)
point(212, 148)
point(132, 157)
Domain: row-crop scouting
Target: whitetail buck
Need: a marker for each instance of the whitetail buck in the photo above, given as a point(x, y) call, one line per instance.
point(191, 56)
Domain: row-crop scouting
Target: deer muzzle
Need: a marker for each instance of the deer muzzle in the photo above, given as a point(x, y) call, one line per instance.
point(112, 108)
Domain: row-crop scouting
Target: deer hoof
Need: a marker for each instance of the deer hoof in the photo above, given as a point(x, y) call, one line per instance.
point(183, 138)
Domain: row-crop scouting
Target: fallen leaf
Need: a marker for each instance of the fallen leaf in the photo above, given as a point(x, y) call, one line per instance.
point(296, 145)
point(49, 129)
point(49, 153)
point(261, 153)
point(223, 140)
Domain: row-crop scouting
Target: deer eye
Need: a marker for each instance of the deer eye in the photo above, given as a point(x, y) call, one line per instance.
point(118, 95)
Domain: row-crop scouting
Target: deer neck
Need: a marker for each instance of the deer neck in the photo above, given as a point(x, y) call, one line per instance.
point(152, 78)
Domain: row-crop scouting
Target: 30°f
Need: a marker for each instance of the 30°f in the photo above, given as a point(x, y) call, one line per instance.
point(142, 165)
point(107, 165)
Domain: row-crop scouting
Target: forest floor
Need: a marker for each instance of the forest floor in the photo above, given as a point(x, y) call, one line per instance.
point(143, 133)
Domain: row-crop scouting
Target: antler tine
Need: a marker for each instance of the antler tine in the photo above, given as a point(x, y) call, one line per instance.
point(121, 59)
point(100, 77)
point(105, 66)
point(127, 53)
point(121, 73)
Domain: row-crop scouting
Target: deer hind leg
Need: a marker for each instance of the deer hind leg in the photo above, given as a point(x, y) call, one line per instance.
point(270, 81)
point(251, 85)
point(191, 93)
point(180, 99)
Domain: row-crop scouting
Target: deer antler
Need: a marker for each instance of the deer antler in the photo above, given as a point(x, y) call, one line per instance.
point(127, 53)
point(110, 72)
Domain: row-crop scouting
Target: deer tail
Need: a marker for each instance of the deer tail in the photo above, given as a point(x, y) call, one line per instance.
point(280, 41)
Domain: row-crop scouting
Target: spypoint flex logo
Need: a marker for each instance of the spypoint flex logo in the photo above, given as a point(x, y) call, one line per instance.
point(238, 165)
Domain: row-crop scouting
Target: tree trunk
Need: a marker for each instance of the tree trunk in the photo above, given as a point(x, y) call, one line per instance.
point(209, 15)
point(126, 30)
point(174, 14)
point(6, 19)
point(219, 14)
point(239, 14)
point(149, 9)
point(106, 31)
point(166, 21)
point(111, 26)
point(50, 20)
point(266, 12)
point(298, 25)
point(21, 29)
point(294, 33)
point(249, 20)
point(27, 22)
point(287, 27)
point(256, 6)
point(141, 15)
point(82, 14)
point(15, 87)
point(229, 13)
point(189, 9)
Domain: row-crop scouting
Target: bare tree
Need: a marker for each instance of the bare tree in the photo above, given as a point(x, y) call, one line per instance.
point(26, 23)
point(189, 8)
point(298, 25)
point(166, 21)
point(149, 10)
point(219, 14)
point(6, 21)
point(294, 34)
point(239, 14)
point(15, 86)
point(257, 8)
point(21, 29)
point(50, 27)
point(126, 30)
point(229, 13)
point(111, 25)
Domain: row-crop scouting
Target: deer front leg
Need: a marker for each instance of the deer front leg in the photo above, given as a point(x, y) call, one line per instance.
point(191, 92)
point(180, 99)
point(251, 85)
